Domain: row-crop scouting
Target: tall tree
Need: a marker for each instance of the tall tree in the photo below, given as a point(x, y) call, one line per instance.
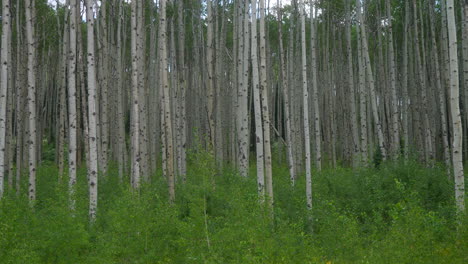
point(265, 109)
point(370, 79)
point(32, 137)
point(305, 107)
point(135, 134)
point(5, 64)
point(352, 97)
point(166, 100)
point(259, 142)
point(92, 112)
point(72, 145)
point(457, 161)
point(285, 90)
point(395, 135)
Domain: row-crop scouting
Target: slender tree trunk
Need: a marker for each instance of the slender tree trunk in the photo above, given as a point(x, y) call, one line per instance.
point(31, 99)
point(285, 90)
point(315, 94)
point(72, 104)
point(5, 64)
point(370, 78)
point(182, 87)
point(259, 141)
point(121, 145)
point(362, 100)
point(242, 97)
point(395, 135)
point(352, 97)
point(457, 160)
point(92, 111)
point(166, 104)
point(441, 91)
point(306, 109)
point(135, 134)
point(265, 108)
point(404, 86)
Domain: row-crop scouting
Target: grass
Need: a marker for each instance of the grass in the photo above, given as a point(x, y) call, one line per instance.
point(398, 213)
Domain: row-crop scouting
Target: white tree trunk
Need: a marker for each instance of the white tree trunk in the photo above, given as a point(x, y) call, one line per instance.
point(457, 160)
point(306, 108)
point(285, 88)
point(370, 79)
point(5, 64)
point(92, 112)
point(135, 127)
point(72, 104)
point(395, 146)
point(265, 109)
point(257, 106)
point(167, 117)
point(31, 99)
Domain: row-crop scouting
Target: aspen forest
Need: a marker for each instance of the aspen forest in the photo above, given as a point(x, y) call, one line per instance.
point(233, 131)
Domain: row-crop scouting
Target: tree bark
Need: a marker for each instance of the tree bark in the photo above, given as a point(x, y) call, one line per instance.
point(92, 112)
point(457, 161)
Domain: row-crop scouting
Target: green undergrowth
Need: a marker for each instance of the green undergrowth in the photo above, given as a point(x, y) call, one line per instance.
point(401, 212)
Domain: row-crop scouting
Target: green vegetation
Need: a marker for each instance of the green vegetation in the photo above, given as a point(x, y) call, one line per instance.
point(398, 213)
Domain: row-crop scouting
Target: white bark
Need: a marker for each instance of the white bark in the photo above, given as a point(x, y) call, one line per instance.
point(72, 104)
point(167, 117)
point(285, 88)
point(370, 78)
point(31, 99)
point(92, 112)
point(242, 99)
point(315, 99)
point(395, 135)
point(265, 110)
point(5, 64)
point(306, 109)
point(135, 119)
point(257, 107)
point(457, 160)
point(352, 97)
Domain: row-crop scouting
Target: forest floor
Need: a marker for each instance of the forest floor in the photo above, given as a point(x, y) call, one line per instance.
point(400, 212)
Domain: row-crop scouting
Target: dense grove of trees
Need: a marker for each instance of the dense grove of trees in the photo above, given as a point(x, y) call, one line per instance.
point(316, 83)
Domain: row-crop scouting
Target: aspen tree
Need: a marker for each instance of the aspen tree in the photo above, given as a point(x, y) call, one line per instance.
point(370, 78)
point(395, 135)
point(121, 144)
point(422, 81)
point(285, 90)
point(404, 85)
point(315, 94)
point(62, 91)
point(457, 161)
point(72, 103)
point(242, 95)
point(352, 98)
point(362, 100)
point(182, 87)
point(211, 80)
point(31, 98)
point(167, 117)
point(104, 76)
point(265, 109)
point(440, 90)
point(306, 108)
point(142, 108)
point(465, 72)
point(5, 64)
point(259, 142)
point(135, 127)
point(92, 112)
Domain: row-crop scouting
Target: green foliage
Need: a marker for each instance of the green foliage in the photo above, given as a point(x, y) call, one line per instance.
point(400, 212)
